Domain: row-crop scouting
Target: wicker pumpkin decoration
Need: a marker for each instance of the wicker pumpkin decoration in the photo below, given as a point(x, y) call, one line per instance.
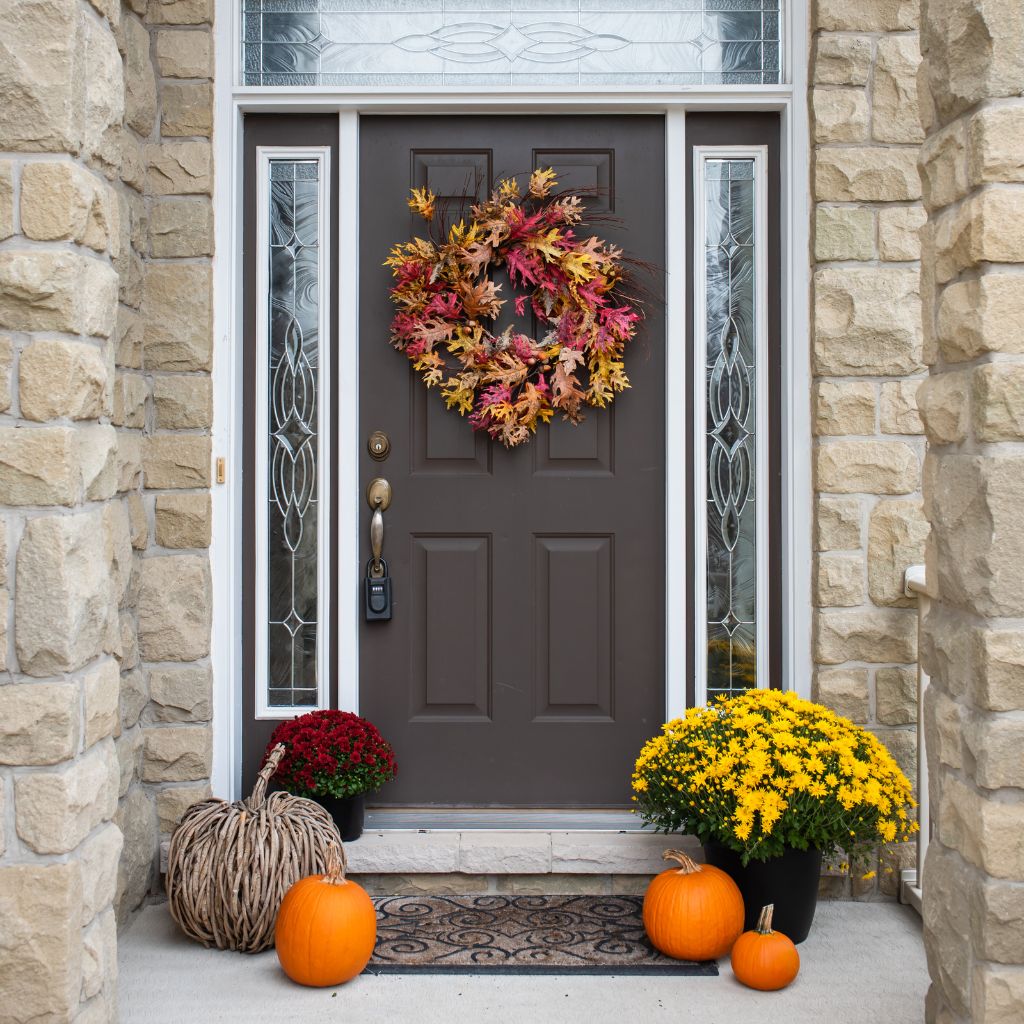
point(326, 928)
point(230, 864)
point(693, 911)
point(764, 959)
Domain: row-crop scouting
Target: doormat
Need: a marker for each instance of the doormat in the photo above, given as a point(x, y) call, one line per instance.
point(518, 935)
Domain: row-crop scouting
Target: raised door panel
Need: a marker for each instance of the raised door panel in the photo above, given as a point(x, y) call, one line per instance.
point(590, 172)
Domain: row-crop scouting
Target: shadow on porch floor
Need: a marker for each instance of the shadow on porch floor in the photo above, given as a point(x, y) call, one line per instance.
point(863, 963)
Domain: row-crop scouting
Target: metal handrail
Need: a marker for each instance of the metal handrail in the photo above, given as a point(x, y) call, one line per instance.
point(915, 585)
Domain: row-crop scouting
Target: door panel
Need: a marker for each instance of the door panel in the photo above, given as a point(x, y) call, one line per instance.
point(524, 663)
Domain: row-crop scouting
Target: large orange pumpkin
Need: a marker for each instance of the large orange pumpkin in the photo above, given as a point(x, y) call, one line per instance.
point(764, 959)
point(694, 911)
point(326, 927)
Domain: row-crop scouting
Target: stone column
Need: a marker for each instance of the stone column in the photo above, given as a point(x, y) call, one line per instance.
point(972, 169)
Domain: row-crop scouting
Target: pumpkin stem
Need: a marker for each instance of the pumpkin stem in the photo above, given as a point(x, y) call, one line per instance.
point(764, 920)
point(337, 864)
point(687, 865)
point(259, 791)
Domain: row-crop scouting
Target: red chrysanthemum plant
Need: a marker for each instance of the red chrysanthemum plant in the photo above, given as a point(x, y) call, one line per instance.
point(332, 753)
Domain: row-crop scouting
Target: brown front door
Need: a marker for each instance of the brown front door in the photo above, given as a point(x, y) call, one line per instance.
point(524, 663)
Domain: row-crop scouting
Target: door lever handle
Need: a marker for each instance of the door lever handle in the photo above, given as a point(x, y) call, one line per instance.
point(378, 497)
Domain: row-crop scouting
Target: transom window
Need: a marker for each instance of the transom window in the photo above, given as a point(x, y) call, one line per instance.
point(510, 42)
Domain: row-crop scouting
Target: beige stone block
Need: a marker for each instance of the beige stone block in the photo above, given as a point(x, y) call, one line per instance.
point(947, 927)
point(899, 230)
point(6, 199)
point(101, 688)
point(180, 12)
point(41, 969)
point(62, 378)
point(98, 857)
point(138, 520)
point(837, 523)
point(873, 174)
point(448, 884)
point(867, 467)
point(62, 611)
point(998, 685)
point(949, 648)
point(996, 743)
point(133, 161)
point(136, 818)
point(183, 402)
point(897, 532)
point(943, 162)
point(981, 315)
point(179, 168)
point(866, 322)
point(129, 339)
point(902, 744)
point(974, 504)
point(130, 393)
point(99, 90)
point(181, 227)
point(99, 957)
point(944, 402)
point(4, 606)
point(173, 801)
point(176, 460)
point(184, 54)
point(995, 139)
point(844, 233)
point(97, 454)
point(838, 581)
point(174, 608)
point(944, 727)
point(997, 908)
point(840, 115)
point(896, 696)
point(57, 290)
point(55, 811)
point(39, 467)
point(38, 723)
point(177, 307)
point(893, 860)
point(132, 698)
point(487, 852)
point(983, 229)
point(972, 52)
point(997, 402)
point(843, 408)
point(186, 109)
point(873, 635)
point(183, 520)
point(62, 200)
point(139, 78)
point(180, 695)
point(6, 367)
point(177, 754)
point(129, 759)
point(997, 993)
point(984, 831)
point(899, 413)
point(129, 461)
point(867, 16)
point(841, 60)
point(844, 690)
point(895, 114)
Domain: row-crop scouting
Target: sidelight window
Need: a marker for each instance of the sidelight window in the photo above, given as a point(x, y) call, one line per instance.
point(510, 42)
point(731, 420)
point(292, 450)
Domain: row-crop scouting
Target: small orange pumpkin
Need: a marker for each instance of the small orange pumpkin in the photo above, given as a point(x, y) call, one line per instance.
point(764, 959)
point(693, 912)
point(326, 928)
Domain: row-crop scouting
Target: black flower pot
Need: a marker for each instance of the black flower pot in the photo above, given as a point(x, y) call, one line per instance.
point(789, 881)
point(347, 813)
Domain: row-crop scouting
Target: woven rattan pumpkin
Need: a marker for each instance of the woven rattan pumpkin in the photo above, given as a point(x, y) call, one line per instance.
point(230, 864)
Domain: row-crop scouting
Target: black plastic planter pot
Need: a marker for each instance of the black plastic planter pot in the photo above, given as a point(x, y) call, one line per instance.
point(347, 813)
point(789, 881)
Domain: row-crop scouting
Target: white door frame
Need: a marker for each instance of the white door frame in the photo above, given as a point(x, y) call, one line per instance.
point(232, 102)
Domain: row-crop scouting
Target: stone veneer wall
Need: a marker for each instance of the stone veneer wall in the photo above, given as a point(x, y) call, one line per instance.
point(973, 408)
point(105, 409)
point(867, 366)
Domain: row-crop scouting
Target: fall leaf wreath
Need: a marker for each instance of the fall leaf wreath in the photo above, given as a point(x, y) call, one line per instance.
point(508, 382)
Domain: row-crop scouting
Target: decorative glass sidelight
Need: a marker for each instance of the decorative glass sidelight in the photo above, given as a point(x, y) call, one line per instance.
point(289, 390)
point(510, 42)
point(729, 254)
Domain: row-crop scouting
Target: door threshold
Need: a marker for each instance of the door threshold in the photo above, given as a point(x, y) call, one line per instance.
point(464, 819)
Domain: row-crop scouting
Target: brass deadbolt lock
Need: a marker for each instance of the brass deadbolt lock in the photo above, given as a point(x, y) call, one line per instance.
point(378, 445)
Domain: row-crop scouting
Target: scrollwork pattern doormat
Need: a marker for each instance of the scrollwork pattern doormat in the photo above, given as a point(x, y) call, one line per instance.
point(518, 935)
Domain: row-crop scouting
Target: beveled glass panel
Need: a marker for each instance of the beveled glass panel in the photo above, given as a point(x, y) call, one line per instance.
point(293, 397)
point(730, 400)
point(510, 42)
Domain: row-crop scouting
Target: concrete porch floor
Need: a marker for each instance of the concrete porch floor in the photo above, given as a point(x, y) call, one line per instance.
point(862, 963)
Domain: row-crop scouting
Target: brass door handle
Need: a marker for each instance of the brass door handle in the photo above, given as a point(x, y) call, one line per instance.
point(378, 497)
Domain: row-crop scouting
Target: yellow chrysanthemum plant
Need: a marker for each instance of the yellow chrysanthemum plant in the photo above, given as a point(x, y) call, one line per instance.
point(767, 770)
